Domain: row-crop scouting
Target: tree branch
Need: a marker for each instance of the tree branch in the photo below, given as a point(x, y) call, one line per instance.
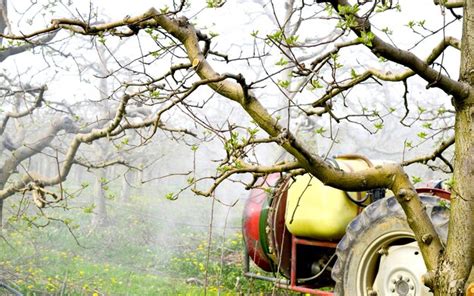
point(246, 168)
point(459, 90)
point(450, 3)
point(436, 154)
point(36, 104)
point(387, 76)
point(13, 50)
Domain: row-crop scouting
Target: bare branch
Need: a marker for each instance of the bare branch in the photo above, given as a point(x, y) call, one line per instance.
point(381, 48)
point(387, 76)
point(30, 44)
point(246, 168)
point(438, 153)
point(36, 104)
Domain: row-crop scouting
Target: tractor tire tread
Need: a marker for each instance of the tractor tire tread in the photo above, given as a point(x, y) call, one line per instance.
point(371, 214)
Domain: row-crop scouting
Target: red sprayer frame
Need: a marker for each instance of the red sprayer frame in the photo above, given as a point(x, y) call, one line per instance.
point(292, 284)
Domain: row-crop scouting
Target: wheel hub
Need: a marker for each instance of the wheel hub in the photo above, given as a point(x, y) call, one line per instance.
point(400, 271)
point(402, 288)
point(402, 283)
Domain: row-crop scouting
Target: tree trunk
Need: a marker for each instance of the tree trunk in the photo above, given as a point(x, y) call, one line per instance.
point(138, 177)
point(1, 215)
point(100, 211)
point(2, 183)
point(127, 179)
point(457, 261)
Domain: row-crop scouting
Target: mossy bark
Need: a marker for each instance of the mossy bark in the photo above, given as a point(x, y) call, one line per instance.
point(456, 263)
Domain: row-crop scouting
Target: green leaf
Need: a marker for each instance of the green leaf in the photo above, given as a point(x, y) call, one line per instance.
point(320, 130)
point(223, 168)
point(252, 132)
point(415, 179)
point(422, 135)
point(378, 125)
point(284, 83)
point(214, 3)
point(155, 53)
point(329, 9)
point(291, 40)
point(89, 209)
point(348, 9)
point(427, 125)
point(101, 38)
point(170, 196)
point(366, 38)
point(354, 73)
point(155, 94)
point(165, 9)
point(387, 31)
point(282, 62)
point(277, 36)
point(315, 84)
point(450, 183)
point(445, 204)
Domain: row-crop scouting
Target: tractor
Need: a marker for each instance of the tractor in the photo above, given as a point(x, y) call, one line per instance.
point(319, 240)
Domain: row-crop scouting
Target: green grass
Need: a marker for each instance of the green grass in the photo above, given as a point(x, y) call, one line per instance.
point(137, 253)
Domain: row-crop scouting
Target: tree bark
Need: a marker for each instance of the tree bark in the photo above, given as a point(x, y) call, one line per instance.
point(458, 258)
point(100, 211)
point(127, 179)
point(1, 215)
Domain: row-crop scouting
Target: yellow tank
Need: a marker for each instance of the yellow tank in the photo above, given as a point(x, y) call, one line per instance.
point(322, 212)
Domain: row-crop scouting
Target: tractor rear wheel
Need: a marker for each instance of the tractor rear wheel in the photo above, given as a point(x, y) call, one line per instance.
point(378, 254)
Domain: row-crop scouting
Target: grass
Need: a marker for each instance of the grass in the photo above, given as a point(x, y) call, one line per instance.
point(138, 253)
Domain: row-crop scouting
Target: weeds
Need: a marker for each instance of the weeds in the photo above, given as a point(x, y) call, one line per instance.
point(136, 254)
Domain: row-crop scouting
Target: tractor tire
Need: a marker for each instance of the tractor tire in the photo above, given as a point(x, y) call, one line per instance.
point(364, 249)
